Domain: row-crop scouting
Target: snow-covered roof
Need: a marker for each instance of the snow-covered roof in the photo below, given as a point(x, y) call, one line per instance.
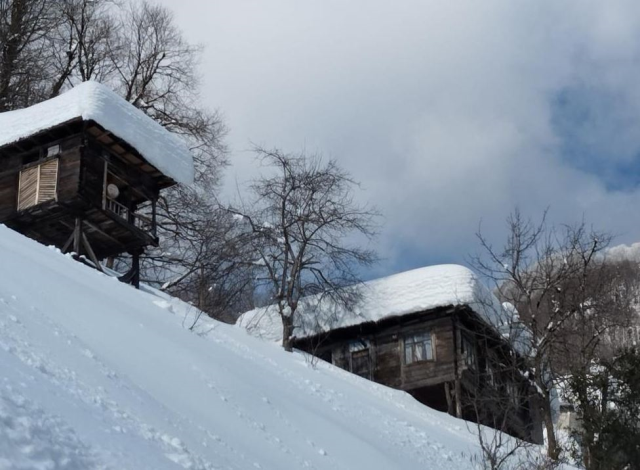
point(92, 101)
point(401, 294)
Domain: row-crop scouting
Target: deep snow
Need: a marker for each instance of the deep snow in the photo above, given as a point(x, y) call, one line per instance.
point(97, 375)
point(94, 101)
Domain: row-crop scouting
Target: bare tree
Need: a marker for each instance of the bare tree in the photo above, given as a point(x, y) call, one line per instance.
point(494, 407)
point(136, 48)
point(206, 265)
point(300, 221)
point(24, 27)
point(156, 70)
point(83, 42)
point(499, 451)
point(545, 272)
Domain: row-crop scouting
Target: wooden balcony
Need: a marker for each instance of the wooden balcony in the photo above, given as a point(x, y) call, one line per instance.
point(139, 221)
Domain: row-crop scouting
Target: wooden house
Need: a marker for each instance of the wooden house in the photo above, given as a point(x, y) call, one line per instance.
point(83, 172)
point(432, 332)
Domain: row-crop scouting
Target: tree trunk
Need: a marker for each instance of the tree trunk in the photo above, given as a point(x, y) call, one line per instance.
point(287, 332)
point(553, 451)
point(9, 52)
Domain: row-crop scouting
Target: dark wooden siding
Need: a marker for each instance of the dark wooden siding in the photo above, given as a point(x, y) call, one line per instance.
point(8, 186)
point(427, 380)
point(94, 157)
point(12, 164)
point(441, 369)
point(80, 156)
point(387, 359)
point(69, 174)
point(387, 355)
point(92, 176)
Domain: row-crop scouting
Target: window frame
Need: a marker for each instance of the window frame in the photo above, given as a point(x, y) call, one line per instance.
point(469, 352)
point(513, 391)
point(357, 349)
point(411, 340)
point(491, 374)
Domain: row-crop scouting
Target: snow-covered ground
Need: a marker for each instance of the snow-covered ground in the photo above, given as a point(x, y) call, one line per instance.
point(97, 375)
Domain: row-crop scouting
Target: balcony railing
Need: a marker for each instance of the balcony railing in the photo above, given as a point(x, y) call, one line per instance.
point(140, 221)
point(117, 208)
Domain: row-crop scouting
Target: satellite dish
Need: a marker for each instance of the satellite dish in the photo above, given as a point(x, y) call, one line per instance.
point(112, 191)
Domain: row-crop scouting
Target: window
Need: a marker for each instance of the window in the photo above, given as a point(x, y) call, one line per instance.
point(38, 184)
point(492, 376)
point(361, 363)
point(418, 347)
point(468, 352)
point(514, 394)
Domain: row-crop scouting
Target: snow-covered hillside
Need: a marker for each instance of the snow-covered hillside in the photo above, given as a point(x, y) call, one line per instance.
point(97, 375)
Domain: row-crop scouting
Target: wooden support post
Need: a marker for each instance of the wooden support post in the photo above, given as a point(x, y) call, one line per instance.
point(457, 392)
point(105, 180)
point(450, 399)
point(458, 388)
point(92, 255)
point(77, 236)
point(133, 275)
point(69, 241)
point(154, 204)
point(79, 240)
point(135, 266)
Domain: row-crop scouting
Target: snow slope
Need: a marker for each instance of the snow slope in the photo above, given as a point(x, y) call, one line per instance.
point(97, 375)
point(93, 101)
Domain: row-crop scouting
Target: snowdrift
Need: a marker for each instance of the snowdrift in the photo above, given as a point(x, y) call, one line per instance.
point(97, 375)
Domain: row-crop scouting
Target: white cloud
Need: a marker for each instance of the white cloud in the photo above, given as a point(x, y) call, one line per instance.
point(444, 110)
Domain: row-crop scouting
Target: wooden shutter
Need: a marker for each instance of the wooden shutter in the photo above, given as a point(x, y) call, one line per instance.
point(48, 181)
point(28, 192)
point(38, 184)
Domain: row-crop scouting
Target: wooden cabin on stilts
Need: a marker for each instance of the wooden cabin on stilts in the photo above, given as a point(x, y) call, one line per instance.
point(436, 333)
point(83, 172)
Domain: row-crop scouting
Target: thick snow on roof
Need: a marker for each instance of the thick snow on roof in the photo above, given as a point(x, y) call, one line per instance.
point(94, 101)
point(109, 377)
point(401, 294)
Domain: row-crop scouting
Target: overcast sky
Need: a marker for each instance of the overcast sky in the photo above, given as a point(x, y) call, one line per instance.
point(449, 112)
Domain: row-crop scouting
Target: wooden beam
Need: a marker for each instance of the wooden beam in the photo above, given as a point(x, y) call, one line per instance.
point(92, 255)
point(102, 232)
point(129, 150)
point(97, 132)
point(77, 236)
point(140, 234)
point(117, 148)
point(457, 386)
point(68, 243)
